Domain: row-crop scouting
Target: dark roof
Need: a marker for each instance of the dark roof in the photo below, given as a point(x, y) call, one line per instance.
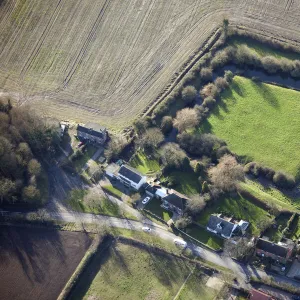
point(175, 200)
point(93, 129)
point(130, 173)
point(150, 188)
point(220, 225)
point(271, 247)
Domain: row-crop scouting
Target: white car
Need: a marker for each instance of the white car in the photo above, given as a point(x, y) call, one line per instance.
point(180, 243)
point(146, 229)
point(146, 200)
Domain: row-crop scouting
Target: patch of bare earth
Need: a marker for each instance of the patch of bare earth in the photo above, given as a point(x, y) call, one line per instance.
point(37, 263)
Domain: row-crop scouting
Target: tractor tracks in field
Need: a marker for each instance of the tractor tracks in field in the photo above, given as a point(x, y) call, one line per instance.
point(42, 38)
point(86, 44)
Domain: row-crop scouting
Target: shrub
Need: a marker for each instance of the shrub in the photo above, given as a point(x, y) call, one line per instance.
point(206, 74)
point(221, 84)
point(209, 102)
point(195, 205)
point(270, 64)
point(151, 139)
point(189, 94)
point(222, 151)
point(284, 180)
point(220, 59)
point(141, 125)
point(199, 168)
point(183, 222)
point(228, 75)
point(185, 118)
point(209, 90)
point(166, 124)
point(296, 69)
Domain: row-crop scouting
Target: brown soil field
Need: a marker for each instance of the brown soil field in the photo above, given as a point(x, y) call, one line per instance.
point(37, 263)
point(107, 60)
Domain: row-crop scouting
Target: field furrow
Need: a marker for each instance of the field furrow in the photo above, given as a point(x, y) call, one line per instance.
point(108, 60)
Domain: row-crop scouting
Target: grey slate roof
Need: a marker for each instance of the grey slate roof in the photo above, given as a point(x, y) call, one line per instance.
point(175, 200)
point(130, 173)
point(270, 247)
point(220, 225)
point(93, 129)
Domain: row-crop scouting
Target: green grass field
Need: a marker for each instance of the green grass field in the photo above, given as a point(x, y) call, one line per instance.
point(238, 207)
point(260, 48)
point(259, 122)
point(127, 272)
point(275, 234)
point(143, 164)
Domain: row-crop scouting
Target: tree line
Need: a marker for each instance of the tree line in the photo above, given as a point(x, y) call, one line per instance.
point(25, 141)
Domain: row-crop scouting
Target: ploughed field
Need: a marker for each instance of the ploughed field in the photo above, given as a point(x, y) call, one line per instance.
point(37, 263)
point(107, 60)
point(259, 122)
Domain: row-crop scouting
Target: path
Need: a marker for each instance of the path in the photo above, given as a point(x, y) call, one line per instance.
point(241, 271)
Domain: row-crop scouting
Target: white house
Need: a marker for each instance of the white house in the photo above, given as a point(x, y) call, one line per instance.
point(131, 177)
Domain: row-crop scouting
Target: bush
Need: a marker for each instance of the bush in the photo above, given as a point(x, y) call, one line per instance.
point(222, 151)
point(166, 125)
point(296, 69)
point(283, 180)
point(221, 84)
point(257, 169)
point(189, 94)
point(270, 64)
point(209, 102)
point(183, 222)
point(220, 59)
point(206, 74)
point(228, 75)
point(209, 90)
point(199, 168)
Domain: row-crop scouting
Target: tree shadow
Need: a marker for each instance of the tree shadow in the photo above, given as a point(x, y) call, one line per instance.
point(28, 247)
point(267, 93)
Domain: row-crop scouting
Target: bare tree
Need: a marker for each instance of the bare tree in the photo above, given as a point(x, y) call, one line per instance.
point(209, 90)
point(151, 139)
point(195, 204)
point(185, 118)
point(115, 147)
point(172, 155)
point(238, 247)
point(226, 174)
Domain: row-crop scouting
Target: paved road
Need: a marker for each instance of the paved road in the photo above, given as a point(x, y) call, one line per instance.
point(240, 270)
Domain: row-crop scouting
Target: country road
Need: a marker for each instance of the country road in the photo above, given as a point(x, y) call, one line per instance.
point(240, 270)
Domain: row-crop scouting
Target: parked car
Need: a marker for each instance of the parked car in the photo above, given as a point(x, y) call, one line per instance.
point(146, 200)
point(180, 243)
point(146, 229)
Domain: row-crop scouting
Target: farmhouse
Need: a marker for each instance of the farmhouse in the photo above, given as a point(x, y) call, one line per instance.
point(225, 228)
point(278, 252)
point(92, 132)
point(172, 200)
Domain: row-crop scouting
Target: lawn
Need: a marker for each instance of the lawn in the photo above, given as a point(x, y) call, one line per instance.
point(154, 206)
point(112, 190)
point(186, 183)
point(143, 164)
point(127, 272)
point(260, 48)
point(205, 237)
point(237, 207)
point(259, 122)
point(91, 202)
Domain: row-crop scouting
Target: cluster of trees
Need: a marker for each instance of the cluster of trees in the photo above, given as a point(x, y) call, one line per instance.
point(279, 178)
point(25, 140)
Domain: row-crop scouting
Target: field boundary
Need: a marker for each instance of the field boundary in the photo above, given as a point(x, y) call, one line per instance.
point(95, 246)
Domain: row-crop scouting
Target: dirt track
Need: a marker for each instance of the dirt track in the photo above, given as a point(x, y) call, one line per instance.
point(106, 60)
point(37, 263)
